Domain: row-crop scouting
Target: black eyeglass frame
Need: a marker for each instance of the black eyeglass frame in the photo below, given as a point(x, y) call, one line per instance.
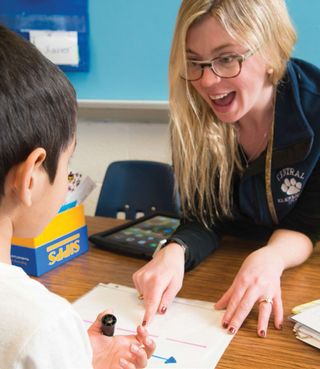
point(210, 64)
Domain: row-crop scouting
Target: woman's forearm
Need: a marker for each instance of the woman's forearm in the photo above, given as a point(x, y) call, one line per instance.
point(292, 247)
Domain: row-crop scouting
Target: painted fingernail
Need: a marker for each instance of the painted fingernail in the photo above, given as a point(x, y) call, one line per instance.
point(262, 333)
point(163, 309)
point(225, 325)
point(232, 330)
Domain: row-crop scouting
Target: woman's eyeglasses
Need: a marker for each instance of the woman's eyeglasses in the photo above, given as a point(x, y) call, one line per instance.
point(225, 66)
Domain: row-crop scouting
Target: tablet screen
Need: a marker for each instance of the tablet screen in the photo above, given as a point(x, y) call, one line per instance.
point(146, 234)
point(139, 237)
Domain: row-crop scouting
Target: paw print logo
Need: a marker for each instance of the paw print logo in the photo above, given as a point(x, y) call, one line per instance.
point(291, 186)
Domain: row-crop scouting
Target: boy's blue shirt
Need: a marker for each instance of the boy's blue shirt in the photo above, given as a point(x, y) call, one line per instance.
point(295, 175)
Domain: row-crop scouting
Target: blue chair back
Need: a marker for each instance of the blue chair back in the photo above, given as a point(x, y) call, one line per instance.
point(137, 186)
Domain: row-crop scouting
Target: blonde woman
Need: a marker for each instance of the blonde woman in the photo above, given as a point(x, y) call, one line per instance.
point(245, 136)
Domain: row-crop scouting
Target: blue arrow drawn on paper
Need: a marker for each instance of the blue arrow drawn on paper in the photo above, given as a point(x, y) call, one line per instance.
point(171, 359)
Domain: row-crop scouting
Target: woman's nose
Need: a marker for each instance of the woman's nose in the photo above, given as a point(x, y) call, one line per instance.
point(209, 77)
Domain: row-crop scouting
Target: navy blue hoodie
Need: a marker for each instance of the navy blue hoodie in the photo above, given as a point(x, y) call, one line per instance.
point(295, 174)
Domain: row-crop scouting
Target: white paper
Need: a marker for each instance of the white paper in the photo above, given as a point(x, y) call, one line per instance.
point(61, 47)
point(307, 327)
point(190, 332)
point(309, 317)
point(79, 187)
point(309, 340)
point(307, 335)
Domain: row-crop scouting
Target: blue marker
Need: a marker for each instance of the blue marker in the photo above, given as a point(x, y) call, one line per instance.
point(170, 360)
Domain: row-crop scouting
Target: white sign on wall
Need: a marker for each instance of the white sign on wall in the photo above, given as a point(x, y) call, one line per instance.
point(61, 47)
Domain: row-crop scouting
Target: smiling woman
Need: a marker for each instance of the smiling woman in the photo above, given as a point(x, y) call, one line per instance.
point(235, 89)
point(246, 146)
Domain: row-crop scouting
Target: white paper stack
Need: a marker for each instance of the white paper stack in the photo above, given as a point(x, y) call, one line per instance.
point(307, 324)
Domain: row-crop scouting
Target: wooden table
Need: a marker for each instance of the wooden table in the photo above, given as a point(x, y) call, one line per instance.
point(280, 349)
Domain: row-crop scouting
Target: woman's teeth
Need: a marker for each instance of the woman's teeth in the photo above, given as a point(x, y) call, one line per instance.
point(223, 100)
point(218, 97)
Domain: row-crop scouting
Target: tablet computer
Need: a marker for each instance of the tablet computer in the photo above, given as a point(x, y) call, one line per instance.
point(139, 237)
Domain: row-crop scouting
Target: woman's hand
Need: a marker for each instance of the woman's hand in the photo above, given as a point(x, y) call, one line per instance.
point(160, 280)
point(257, 279)
point(119, 352)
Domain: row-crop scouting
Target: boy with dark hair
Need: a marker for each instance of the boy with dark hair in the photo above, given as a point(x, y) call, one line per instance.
point(39, 329)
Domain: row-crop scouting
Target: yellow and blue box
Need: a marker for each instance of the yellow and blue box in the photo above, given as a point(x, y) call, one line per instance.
point(65, 238)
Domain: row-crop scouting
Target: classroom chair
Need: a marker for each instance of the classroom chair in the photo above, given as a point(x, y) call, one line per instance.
point(136, 188)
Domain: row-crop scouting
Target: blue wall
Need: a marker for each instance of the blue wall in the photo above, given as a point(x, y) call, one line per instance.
point(306, 18)
point(130, 44)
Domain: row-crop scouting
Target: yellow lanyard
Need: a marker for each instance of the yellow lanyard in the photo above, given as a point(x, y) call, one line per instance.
point(268, 168)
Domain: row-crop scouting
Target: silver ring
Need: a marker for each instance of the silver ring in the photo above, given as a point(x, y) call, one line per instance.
point(267, 299)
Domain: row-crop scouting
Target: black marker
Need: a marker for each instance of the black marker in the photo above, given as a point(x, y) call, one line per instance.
point(108, 324)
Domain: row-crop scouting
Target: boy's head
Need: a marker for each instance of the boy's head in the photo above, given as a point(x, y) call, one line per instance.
point(37, 106)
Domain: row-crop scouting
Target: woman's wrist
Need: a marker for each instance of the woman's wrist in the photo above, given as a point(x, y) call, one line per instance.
point(275, 257)
point(172, 243)
point(292, 247)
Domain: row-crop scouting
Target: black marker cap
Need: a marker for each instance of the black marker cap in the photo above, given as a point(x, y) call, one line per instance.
point(108, 324)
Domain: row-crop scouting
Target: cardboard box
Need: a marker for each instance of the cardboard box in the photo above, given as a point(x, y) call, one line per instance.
point(65, 238)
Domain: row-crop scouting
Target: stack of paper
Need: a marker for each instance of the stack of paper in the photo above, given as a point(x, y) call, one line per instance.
point(307, 326)
point(189, 335)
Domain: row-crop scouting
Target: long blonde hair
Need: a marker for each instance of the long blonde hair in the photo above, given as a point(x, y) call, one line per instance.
point(205, 151)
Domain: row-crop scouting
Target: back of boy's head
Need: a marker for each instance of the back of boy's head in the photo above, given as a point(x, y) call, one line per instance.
point(37, 106)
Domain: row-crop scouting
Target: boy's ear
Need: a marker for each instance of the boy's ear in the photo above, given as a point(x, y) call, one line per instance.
point(28, 176)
